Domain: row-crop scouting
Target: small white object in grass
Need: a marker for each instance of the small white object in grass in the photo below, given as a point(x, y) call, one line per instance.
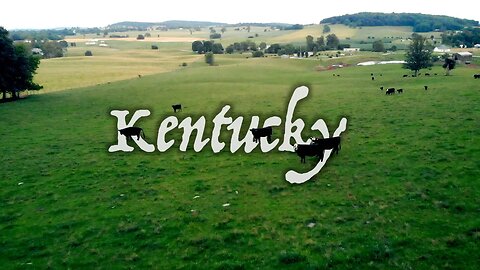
point(113, 207)
point(20, 183)
point(311, 225)
point(226, 204)
point(328, 185)
point(196, 197)
point(121, 195)
point(236, 191)
point(193, 210)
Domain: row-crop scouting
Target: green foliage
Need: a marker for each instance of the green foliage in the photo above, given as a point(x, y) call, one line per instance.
point(293, 27)
point(230, 49)
point(215, 36)
point(326, 29)
point(377, 46)
point(17, 67)
point(262, 45)
point(419, 22)
point(310, 43)
point(140, 37)
point(257, 54)
point(468, 37)
point(419, 54)
point(197, 46)
point(88, 53)
point(332, 42)
point(51, 49)
point(448, 65)
point(39, 35)
point(209, 58)
point(217, 48)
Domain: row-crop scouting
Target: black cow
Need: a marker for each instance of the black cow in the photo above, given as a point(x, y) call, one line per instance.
point(177, 107)
point(427, 74)
point(139, 76)
point(435, 74)
point(373, 78)
point(400, 90)
point(381, 88)
point(405, 75)
point(310, 150)
point(390, 91)
point(476, 76)
point(426, 87)
point(261, 132)
point(328, 143)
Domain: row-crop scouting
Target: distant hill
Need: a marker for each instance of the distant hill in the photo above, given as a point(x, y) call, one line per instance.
point(419, 22)
point(187, 24)
point(167, 24)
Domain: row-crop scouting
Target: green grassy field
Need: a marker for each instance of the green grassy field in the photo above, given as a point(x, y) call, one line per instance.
point(403, 193)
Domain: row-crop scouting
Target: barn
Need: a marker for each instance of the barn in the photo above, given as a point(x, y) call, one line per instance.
point(463, 56)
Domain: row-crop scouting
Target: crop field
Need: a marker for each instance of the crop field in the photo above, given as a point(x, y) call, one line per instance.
point(402, 193)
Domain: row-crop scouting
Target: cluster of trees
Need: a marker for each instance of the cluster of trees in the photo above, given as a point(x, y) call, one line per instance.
point(206, 46)
point(40, 34)
point(419, 54)
point(17, 67)
point(245, 46)
point(292, 27)
point(419, 22)
point(331, 42)
point(468, 37)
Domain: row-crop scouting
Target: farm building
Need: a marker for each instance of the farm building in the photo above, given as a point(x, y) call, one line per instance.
point(441, 49)
point(477, 46)
point(463, 56)
point(351, 49)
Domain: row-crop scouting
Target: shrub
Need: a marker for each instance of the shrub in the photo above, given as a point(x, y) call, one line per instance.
point(215, 36)
point(257, 54)
point(154, 47)
point(88, 53)
point(140, 37)
point(209, 58)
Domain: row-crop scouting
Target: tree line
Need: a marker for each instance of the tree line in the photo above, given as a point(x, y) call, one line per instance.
point(419, 22)
point(17, 67)
point(468, 37)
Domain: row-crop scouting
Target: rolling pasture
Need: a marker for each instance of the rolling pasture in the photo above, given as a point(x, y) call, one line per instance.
point(402, 193)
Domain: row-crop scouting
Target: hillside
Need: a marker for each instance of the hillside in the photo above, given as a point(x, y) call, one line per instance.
point(168, 24)
point(419, 22)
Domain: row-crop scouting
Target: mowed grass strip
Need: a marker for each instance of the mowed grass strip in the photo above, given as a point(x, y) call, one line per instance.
point(402, 193)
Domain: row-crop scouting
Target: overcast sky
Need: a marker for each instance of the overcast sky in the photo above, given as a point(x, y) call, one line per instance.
point(17, 14)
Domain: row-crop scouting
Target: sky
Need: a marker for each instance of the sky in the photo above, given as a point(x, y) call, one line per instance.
point(29, 14)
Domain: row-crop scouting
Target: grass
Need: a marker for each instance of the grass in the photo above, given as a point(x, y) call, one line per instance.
point(402, 193)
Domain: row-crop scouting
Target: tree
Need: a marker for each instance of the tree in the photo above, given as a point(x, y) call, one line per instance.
point(332, 41)
point(208, 45)
point(419, 54)
point(223, 30)
point(321, 43)
point(17, 67)
point(215, 36)
point(378, 46)
point(229, 49)
point(449, 65)
point(88, 53)
point(217, 48)
point(262, 45)
point(197, 46)
point(140, 37)
point(209, 59)
point(257, 54)
point(326, 29)
point(310, 43)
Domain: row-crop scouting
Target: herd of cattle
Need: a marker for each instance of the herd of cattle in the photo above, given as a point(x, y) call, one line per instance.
point(316, 148)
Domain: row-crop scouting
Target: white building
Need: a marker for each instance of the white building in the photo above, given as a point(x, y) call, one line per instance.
point(442, 49)
point(351, 49)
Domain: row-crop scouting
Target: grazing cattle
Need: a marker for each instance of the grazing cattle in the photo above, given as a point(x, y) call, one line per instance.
point(261, 132)
point(328, 143)
point(427, 74)
point(405, 76)
point(338, 75)
point(381, 88)
point(476, 76)
point(419, 74)
point(413, 76)
point(139, 76)
point(390, 91)
point(400, 90)
point(381, 74)
point(373, 78)
point(177, 107)
point(371, 74)
point(310, 150)
point(426, 87)
point(435, 74)
point(334, 75)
